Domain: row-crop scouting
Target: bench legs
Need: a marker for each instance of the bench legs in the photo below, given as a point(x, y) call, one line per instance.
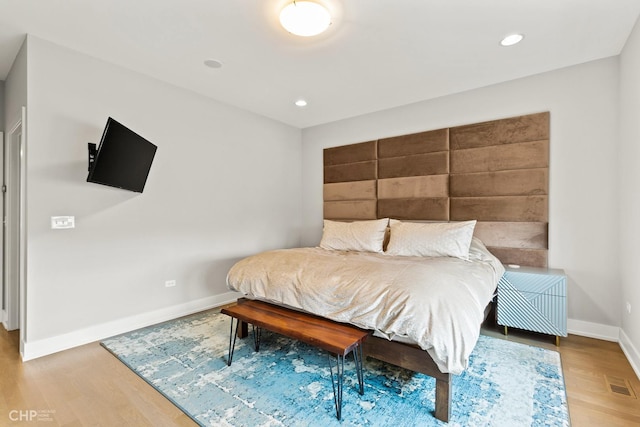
point(232, 341)
point(336, 383)
point(358, 359)
point(240, 327)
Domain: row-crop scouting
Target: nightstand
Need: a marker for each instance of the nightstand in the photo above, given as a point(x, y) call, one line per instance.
point(534, 299)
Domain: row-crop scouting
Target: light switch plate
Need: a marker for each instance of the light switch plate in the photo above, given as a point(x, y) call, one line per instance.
point(62, 222)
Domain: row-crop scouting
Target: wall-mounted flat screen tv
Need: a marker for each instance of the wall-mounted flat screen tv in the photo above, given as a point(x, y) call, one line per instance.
point(123, 158)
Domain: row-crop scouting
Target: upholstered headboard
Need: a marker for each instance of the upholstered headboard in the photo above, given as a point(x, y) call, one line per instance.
point(495, 172)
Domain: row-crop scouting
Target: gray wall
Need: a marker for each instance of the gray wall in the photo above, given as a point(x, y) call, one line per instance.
point(225, 183)
point(2, 105)
point(583, 201)
point(15, 90)
point(629, 231)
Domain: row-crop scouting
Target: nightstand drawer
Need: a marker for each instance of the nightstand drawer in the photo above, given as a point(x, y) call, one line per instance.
point(543, 313)
point(550, 282)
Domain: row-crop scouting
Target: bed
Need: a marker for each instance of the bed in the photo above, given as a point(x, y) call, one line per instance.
point(425, 294)
point(493, 174)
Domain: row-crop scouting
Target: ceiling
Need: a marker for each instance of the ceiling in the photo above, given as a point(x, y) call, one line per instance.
point(377, 54)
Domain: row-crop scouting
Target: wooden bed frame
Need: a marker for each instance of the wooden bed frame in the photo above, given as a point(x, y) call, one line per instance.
point(413, 358)
point(406, 356)
point(494, 172)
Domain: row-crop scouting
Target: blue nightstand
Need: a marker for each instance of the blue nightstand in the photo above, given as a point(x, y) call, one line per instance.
point(534, 299)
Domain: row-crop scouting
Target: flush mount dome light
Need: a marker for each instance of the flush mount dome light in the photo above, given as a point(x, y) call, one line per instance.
point(305, 18)
point(512, 39)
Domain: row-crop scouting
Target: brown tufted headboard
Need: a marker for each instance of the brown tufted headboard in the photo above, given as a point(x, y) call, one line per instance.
point(496, 172)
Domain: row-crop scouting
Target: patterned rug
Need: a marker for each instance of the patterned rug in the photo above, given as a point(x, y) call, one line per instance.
point(287, 383)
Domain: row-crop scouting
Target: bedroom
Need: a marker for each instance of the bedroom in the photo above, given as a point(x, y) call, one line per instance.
point(209, 201)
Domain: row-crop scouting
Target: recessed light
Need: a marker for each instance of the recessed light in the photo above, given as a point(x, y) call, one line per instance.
point(301, 103)
point(305, 18)
point(213, 63)
point(512, 39)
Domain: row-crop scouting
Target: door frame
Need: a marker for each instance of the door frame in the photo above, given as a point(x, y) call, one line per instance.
point(14, 240)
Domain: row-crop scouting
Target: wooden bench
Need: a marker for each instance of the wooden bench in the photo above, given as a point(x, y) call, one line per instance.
point(337, 338)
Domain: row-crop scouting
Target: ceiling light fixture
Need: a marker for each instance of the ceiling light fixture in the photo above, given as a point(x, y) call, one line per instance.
point(512, 39)
point(305, 18)
point(301, 103)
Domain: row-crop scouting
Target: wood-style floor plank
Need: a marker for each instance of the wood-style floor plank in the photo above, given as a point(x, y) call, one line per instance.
point(87, 386)
point(84, 386)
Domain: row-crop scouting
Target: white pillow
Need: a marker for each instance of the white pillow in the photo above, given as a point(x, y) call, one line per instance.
point(363, 236)
point(434, 239)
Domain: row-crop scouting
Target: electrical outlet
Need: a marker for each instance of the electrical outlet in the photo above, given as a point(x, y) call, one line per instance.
point(628, 307)
point(169, 283)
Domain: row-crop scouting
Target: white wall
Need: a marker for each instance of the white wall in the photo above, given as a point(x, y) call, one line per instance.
point(583, 208)
point(207, 202)
point(225, 183)
point(629, 158)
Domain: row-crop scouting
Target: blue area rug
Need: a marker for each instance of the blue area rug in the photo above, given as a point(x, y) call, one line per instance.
point(287, 383)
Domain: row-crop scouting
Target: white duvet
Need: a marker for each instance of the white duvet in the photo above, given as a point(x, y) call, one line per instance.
point(438, 303)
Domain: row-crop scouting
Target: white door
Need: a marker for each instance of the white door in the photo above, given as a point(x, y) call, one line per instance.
point(13, 226)
point(3, 299)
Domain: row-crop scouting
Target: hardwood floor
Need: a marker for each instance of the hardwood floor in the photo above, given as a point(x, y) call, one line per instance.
point(84, 386)
point(88, 386)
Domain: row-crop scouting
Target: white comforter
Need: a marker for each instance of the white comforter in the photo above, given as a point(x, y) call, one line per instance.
point(437, 303)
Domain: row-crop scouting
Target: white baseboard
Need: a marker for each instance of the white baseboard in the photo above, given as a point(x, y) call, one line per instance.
point(632, 353)
point(39, 348)
point(593, 330)
point(607, 333)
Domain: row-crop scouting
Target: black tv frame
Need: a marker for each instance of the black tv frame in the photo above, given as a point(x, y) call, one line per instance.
point(94, 151)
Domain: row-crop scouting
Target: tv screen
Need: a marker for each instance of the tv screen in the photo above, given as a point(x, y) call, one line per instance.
point(123, 158)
